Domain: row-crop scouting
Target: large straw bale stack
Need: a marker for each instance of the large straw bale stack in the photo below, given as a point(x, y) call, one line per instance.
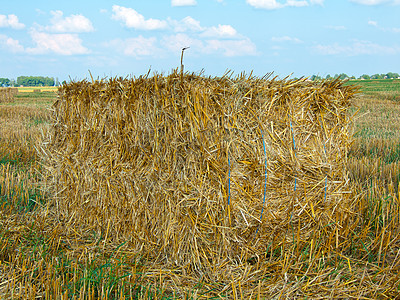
point(200, 173)
point(7, 94)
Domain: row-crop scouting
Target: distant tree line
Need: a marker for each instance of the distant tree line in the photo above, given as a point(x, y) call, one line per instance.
point(389, 75)
point(35, 81)
point(29, 81)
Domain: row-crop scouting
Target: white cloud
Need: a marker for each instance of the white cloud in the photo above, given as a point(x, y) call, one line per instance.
point(189, 24)
point(186, 24)
point(373, 23)
point(337, 27)
point(11, 44)
point(132, 19)
point(266, 4)
point(175, 43)
point(72, 24)
point(10, 21)
point(183, 2)
point(221, 39)
point(274, 4)
point(384, 29)
point(220, 31)
point(137, 47)
point(357, 48)
point(63, 44)
point(286, 39)
point(40, 12)
point(296, 3)
point(376, 2)
point(230, 48)
point(141, 47)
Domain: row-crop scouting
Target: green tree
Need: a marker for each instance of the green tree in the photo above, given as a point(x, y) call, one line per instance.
point(376, 76)
point(35, 81)
point(365, 76)
point(5, 82)
point(392, 75)
point(315, 77)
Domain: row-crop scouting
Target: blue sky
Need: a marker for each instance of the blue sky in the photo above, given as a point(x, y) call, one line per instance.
point(65, 39)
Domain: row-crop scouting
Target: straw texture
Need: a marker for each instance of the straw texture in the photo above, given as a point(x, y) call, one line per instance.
point(201, 174)
point(7, 94)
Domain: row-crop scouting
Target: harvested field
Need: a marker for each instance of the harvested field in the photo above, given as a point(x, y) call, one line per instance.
point(7, 94)
point(170, 187)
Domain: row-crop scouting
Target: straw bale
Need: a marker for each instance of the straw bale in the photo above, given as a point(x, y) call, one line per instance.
point(7, 94)
point(198, 173)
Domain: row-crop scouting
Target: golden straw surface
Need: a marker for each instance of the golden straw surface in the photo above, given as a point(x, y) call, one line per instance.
point(7, 94)
point(205, 177)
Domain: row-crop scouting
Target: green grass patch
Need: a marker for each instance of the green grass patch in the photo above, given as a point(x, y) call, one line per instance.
point(102, 277)
point(377, 85)
point(380, 88)
point(36, 95)
point(36, 121)
point(22, 201)
point(7, 160)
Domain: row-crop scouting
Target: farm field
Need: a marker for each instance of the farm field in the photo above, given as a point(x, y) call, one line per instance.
point(43, 259)
point(387, 89)
point(30, 89)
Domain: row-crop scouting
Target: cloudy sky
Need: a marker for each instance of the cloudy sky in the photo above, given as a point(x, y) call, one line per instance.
point(65, 39)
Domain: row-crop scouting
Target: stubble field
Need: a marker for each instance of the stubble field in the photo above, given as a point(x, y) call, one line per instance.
point(42, 259)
